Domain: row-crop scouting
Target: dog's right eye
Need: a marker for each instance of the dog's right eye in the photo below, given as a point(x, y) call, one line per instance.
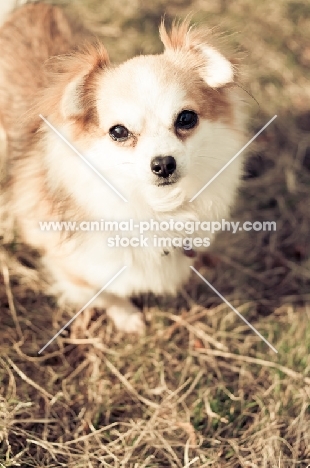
point(119, 133)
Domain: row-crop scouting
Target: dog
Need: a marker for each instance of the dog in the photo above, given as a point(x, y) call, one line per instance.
point(156, 127)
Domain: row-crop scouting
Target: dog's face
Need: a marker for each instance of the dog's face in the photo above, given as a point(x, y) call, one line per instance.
point(147, 116)
point(156, 125)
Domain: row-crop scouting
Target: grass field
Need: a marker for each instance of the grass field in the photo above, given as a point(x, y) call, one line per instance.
point(200, 389)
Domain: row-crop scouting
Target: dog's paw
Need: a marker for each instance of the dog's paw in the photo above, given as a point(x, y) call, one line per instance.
point(127, 319)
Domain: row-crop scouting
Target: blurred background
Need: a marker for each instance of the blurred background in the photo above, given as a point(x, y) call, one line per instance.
point(200, 389)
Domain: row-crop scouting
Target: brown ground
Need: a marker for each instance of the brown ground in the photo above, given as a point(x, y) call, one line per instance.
point(200, 389)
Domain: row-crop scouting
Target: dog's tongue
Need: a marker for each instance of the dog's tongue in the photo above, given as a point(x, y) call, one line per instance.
point(189, 253)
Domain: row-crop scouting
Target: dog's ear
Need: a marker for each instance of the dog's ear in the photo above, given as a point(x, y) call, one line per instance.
point(74, 79)
point(186, 42)
point(71, 105)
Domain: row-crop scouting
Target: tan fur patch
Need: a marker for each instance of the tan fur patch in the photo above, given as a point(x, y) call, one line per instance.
point(88, 62)
point(181, 49)
point(211, 104)
point(178, 36)
point(32, 34)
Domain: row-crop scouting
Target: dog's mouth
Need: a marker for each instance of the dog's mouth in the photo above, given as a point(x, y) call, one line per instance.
point(165, 183)
point(166, 194)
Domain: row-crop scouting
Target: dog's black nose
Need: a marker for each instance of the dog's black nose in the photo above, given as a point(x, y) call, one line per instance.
point(163, 166)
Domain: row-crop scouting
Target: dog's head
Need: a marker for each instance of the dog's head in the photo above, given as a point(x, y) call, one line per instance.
point(157, 127)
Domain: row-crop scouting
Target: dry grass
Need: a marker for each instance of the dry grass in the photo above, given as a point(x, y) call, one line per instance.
point(200, 389)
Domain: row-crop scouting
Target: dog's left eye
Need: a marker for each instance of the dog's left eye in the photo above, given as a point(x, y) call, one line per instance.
point(119, 133)
point(186, 120)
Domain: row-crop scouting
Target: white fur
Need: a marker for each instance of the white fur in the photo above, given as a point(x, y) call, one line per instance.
point(219, 70)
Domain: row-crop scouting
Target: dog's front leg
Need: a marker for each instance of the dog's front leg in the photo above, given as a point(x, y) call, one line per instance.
point(126, 317)
point(73, 288)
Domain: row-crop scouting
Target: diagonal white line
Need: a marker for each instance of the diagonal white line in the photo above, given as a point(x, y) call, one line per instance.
point(232, 159)
point(83, 308)
point(235, 310)
point(82, 157)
